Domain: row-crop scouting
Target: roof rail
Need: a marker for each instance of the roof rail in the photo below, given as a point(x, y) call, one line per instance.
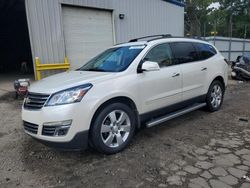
point(152, 36)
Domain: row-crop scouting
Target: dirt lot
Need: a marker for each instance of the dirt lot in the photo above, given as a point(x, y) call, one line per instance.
point(199, 149)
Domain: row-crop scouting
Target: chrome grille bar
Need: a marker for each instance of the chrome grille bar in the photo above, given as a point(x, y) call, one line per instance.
point(35, 100)
point(30, 127)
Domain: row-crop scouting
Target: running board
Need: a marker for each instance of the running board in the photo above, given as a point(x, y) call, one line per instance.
point(174, 115)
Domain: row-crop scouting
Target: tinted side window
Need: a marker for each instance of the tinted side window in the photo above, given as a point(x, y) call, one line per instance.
point(184, 52)
point(161, 54)
point(205, 50)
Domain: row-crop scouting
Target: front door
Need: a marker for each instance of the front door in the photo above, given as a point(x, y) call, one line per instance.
point(161, 88)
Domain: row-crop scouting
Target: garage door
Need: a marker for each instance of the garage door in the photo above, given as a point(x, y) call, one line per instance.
point(87, 33)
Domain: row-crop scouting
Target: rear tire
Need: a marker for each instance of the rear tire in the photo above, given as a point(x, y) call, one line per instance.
point(113, 128)
point(215, 96)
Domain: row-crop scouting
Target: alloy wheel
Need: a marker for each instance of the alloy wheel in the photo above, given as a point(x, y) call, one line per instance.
point(115, 128)
point(216, 96)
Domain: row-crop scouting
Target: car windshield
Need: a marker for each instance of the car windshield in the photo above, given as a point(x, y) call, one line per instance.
point(113, 60)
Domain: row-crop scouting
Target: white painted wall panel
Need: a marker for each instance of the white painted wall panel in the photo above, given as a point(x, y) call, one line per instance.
point(237, 46)
point(247, 48)
point(147, 17)
point(225, 54)
point(45, 30)
point(222, 45)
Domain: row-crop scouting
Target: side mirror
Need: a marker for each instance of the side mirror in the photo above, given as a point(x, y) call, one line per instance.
point(150, 66)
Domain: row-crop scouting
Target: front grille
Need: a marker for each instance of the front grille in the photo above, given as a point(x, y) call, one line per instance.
point(30, 127)
point(49, 130)
point(35, 100)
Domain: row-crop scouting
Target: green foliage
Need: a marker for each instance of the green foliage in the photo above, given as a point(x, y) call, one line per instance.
point(200, 21)
point(196, 15)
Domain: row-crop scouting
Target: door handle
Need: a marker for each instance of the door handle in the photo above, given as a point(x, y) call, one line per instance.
point(203, 68)
point(175, 75)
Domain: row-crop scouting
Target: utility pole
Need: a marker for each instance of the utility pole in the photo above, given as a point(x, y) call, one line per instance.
point(231, 25)
point(204, 31)
point(245, 36)
point(215, 30)
point(231, 31)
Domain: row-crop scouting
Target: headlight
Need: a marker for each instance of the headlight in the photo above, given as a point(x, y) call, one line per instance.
point(68, 96)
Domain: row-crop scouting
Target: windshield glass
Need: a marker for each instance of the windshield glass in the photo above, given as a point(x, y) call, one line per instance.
point(113, 60)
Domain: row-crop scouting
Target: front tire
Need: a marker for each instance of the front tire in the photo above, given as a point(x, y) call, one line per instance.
point(113, 128)
point(215, 96)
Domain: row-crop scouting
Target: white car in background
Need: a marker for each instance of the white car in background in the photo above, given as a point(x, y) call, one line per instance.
point(105, 101)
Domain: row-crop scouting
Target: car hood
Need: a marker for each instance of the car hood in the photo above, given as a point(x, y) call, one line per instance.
point(67, 80)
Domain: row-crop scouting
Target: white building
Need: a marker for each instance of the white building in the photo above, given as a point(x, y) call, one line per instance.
point(79, 29)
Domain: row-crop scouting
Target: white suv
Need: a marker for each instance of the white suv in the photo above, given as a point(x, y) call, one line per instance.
point(105, 101)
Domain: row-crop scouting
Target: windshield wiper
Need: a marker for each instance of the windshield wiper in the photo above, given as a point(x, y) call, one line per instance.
point(95, 69)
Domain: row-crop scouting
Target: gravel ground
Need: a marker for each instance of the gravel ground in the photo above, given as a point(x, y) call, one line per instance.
point(199, 149)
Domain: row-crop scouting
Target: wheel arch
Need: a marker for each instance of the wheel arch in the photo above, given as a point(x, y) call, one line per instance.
point(210, 106)
point(221, 79)
point(118, 99)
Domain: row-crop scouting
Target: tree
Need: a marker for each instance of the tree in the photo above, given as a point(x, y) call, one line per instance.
point(196, 16)
point(232, 18)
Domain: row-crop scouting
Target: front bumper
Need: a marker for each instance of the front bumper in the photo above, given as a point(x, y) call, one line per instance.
point(78, 143)
point(77, 135)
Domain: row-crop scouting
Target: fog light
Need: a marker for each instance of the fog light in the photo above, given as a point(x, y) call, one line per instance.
point(59, 128)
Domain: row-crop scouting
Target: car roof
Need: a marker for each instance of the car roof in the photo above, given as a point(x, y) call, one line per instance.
point(140, 43)
point(161, 40)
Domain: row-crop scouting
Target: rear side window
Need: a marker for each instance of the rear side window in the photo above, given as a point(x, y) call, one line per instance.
point(161, 54)
point(205, 50)
point(184, 52)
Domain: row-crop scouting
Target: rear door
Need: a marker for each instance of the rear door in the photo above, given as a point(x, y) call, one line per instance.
point(206, 55)
point(192, 68)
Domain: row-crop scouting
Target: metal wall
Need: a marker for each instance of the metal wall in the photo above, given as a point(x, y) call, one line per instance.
point(147, 17)
point(230, 48)
point(142, 17)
